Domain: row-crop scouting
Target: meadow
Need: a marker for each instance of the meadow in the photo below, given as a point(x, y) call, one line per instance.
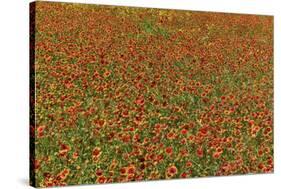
point(133, 94)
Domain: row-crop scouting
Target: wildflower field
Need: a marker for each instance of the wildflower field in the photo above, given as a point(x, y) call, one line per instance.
point(132, 94)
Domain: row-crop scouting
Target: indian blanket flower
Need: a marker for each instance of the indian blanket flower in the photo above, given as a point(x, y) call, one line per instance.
point(130, 94)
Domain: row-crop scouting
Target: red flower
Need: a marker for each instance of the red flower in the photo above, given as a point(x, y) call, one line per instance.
point(200, 152)
point(123, 171)
point(171, 171)
point(169, 150)
point(131, 170)
point(203, 130)
point(216, 155)
point(63, 174)
point(96, 153)
point(251, 122)
point(64, 150)
point(40, 131)
point(75, 155)
point(106, 73)
point(125, 113)
point(140, 100)
point(101, 180)
point(99, 172)
point(184, 131)
point(184, 175)
point(37, 164)
point(261, 166)
point(171, 135)
point(183, 141)
point(188, 164)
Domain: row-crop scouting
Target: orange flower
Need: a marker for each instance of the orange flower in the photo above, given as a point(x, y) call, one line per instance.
point(171, 171)
point(106, 73)
point(188, 164)
point(101, 180)
point(75, 155)
point(140, 100)
point(131, 170)
point(171, 135)
point(96, 153)
point(64, 150)
point(63, 174)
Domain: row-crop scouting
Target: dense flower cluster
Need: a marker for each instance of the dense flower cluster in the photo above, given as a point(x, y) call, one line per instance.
point(131, 94)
